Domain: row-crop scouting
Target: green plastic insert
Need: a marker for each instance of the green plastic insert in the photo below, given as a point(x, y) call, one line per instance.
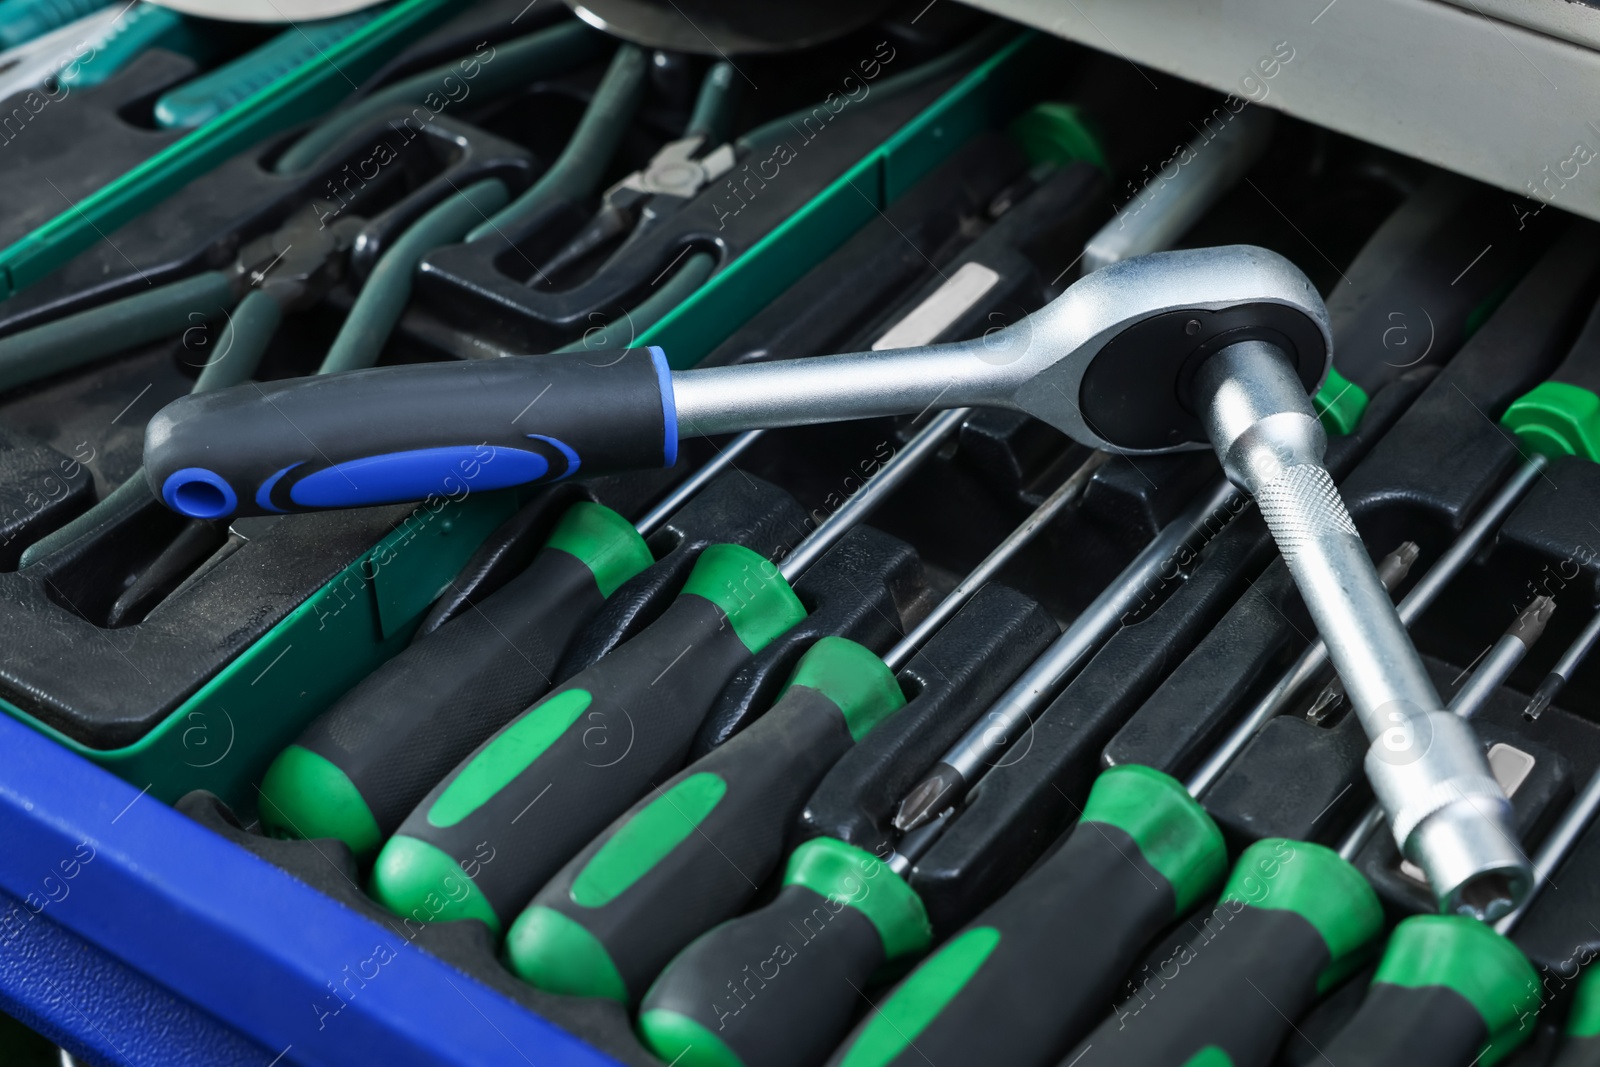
point(310, 90)
point(1315, 883)
point(1584, 1018)
point(682, 1041)
point(553, 953)
point(1173, 831)
point(1210, 1056)
point(603, 541)
point(1556, 419)
point(1056, 132)
point(920, 998)
point(860, 880)
point(506, 755)
point(416, 880)
point(854, 678)
point(749, 590)
point(306, 796)
point(646, 839)
point(1473, 960)
point(258, 704)
point(1340, 403)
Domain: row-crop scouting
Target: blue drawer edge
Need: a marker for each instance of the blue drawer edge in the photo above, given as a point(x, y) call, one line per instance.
point(134, 935)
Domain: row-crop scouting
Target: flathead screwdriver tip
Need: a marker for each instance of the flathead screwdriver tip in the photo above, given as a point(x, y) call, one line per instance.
point(927, 798)
point(1543, 696)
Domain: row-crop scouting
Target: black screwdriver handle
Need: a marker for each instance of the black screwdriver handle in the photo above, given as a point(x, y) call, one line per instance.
point(394, 434)
point(779, 987)
point(1036, 971)
point(1580, 1038)
point(1449, 992)
point(529, 798)
point(366, 762)
point(693, 851)
point(1293, 920)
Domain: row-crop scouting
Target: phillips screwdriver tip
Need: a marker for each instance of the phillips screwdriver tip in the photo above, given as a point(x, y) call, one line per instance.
point(927, 798)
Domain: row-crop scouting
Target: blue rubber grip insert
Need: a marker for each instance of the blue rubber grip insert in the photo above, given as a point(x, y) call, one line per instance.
point(669, 407)
point(573, 462)
point(414, 475)
point(199, 493)
point(264, 494)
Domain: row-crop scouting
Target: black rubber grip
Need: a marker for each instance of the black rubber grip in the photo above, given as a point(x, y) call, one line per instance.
point(406, 725)
point(754, 785)
point(1236, 992)
point(1581, 367)
point(1427, 277)
point(1431, 1026)
point(1578, 1051)
point(553, 777)
point(778, 987)
point(1142, 853)
point(395, 434)
point(1450, 992)
point(1082, 918)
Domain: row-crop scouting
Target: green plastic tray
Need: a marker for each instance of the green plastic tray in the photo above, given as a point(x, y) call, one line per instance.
point(222, 738)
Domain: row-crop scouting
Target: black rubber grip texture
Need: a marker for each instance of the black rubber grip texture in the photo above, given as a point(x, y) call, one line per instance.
point(648, 698)
point(1081, 918)
point(1236, 986)
point(1578, 1052)
point(1581, 367)
point(393, 434)
point(1407, 1026)
point(780, 985)
point(769, 769)
point(1425, 274)
point(408, 723)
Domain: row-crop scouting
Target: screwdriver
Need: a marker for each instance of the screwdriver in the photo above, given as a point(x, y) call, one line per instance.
point(1495, 667)
point(1580, 1041)
point(23, 20)
point(691, 853)
point(1093, 903)
point(362, 766)
point(1551, 685)
point(687, 1014)
point(953, 1011)
point(1451, 991)
point(733, 605)
point(365, 763)
point(1413, 254)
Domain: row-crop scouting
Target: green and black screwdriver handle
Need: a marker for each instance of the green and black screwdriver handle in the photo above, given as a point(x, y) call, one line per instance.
point(693, 851)
point(364, 764)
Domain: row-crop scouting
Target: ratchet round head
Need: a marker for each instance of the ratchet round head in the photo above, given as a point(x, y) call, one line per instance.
point(1112, 360)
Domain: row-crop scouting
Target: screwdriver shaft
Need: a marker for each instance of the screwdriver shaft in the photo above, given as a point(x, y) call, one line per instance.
point(1561, 673)
point(1421, 597)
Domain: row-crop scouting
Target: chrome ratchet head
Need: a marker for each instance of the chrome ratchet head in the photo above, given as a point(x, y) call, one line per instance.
point(1112, 361)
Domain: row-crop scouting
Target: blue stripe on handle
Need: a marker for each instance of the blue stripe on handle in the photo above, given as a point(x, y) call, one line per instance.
point(414, 475)
point(573, 462)
point(669, 407)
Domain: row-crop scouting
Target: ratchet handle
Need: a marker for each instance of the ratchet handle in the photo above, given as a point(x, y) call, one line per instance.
point(395, 434)
point(1450, 992)
point(1141, 855)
